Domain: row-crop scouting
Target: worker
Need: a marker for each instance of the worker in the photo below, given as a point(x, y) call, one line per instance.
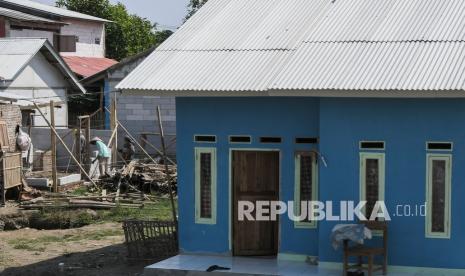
point(129, 149)
point(103, 155)
point(24, 144)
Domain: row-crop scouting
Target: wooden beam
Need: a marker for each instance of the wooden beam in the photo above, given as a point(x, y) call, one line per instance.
point(167, 172)
point(54, 147)
point(113, 126)
point(65, 146)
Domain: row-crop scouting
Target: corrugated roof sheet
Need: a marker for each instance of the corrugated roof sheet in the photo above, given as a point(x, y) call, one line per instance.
point(52, 10)
point(15, 54)
point(25, 17)
point(88, 66)
point(259, 45)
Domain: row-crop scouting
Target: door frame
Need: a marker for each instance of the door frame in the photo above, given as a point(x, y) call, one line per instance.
point(230, 189)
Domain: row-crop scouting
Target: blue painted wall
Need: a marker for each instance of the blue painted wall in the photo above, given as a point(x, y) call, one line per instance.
point(286, 118)
point(404, 124)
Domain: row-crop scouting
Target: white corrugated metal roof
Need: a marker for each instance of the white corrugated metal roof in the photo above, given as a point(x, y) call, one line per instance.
point(51, 10)
point(16, 53)
point(374, 66)
point(25, 17)
point(267, 45)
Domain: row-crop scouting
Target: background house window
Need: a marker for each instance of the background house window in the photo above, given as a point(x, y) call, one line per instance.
point(64, 43)
point(306, 171)
point(371, 180)
point(205, 185)
point(97, 40)
point(438, 196)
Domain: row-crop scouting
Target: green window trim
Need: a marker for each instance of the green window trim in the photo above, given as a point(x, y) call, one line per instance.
point(198, 218)
point(448, 185)
point(297, 188)
point(381, 175)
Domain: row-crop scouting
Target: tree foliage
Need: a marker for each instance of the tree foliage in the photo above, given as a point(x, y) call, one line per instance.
point(127, 35)
point(193, 7)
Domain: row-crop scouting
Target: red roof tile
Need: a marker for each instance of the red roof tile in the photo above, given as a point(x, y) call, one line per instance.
point(88, 66)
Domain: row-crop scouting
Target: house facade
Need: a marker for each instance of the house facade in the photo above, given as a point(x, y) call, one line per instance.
point(71, 33)
point(31, 70)
point(330, 101)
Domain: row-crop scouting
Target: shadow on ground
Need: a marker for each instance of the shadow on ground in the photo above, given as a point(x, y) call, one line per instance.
point(107, 261)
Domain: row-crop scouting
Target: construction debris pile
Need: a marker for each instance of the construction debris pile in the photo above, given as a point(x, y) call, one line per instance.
point(131, 187)
point(140, 176)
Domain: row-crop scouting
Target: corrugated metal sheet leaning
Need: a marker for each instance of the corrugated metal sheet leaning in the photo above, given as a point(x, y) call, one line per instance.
point(277, 45)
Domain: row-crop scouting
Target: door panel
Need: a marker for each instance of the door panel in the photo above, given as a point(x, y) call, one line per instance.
point(255, 178)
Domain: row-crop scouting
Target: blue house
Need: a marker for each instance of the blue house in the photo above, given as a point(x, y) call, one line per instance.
point(324, 100)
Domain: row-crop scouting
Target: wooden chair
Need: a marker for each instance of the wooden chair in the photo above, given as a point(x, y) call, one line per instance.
point(362, 251)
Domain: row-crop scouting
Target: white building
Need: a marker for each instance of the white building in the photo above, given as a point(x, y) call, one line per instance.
point(80, 38)
point(31, 70)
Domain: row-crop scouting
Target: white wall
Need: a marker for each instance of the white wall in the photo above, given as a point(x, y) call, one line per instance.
point(43, 82)
point(32, 33)
point(87, 31)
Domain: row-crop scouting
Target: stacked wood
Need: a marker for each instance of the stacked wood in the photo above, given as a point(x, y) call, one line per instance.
point(139, 176)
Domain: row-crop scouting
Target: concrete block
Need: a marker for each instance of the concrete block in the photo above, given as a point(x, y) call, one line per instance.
point(39, 182)
point(69, 179)
point(134, 106)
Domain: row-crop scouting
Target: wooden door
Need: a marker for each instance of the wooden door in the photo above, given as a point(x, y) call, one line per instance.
point(255, 177)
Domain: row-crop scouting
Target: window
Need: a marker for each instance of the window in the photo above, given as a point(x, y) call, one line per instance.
point(205, 138)
point(205, 185)
point(438, 195)
point(306, 177)
point(371, 180)
point(64, 43)
point(27, 117)
point(372, 145)
point(234, 139)
point(97, 40)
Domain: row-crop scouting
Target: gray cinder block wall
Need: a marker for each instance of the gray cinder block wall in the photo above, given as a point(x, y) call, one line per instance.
point(138, 113)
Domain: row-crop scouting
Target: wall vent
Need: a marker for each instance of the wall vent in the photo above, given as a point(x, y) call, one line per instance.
point(445, 146)
point(306, 140)
point(271, 140)
point(372, 145)
point(238, 139)
point(205, 138)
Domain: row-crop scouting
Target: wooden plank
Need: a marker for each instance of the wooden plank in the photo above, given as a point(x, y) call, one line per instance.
point(54, 147)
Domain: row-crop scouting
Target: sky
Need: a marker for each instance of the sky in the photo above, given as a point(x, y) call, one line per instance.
point(168, 13)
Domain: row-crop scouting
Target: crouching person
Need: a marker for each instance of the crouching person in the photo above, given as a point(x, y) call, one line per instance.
point(103, 156)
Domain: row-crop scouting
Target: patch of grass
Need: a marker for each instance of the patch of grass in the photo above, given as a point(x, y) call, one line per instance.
point(41, 243)
point(81, 191)
point(159, 210)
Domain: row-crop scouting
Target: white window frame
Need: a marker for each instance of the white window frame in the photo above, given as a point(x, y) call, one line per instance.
point(198, 218)
point(381, 163)
point(301, 224)
point(430, 157)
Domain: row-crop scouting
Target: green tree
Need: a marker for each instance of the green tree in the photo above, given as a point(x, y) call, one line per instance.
point(193, 7)
point(127, 35)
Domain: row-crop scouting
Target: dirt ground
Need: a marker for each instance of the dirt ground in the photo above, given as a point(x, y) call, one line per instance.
point(96, 249)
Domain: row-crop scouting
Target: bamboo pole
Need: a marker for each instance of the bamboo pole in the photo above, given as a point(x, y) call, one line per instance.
point(168, 175)
point(64, 144)
point(53, 142)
